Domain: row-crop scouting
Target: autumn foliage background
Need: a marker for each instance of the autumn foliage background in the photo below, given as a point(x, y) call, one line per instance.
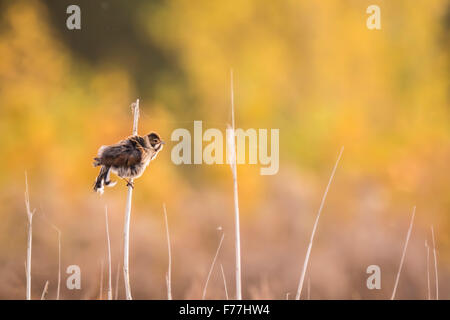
point(309, 68)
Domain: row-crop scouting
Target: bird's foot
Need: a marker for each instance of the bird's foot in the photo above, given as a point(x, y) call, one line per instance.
point(129, 183)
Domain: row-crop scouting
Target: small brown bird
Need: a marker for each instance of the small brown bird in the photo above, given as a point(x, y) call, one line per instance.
point(127, 159)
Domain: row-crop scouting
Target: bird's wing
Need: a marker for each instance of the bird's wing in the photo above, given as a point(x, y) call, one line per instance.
point(123, 154)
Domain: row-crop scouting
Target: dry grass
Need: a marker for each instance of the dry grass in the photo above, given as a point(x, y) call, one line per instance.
point(29, 238)
point(403, 254)
point(265, 287)
point(308, 252)
point(231, 139)
point(224, 281)
point(108, 241)
point(212, 266)
point(126, 228)
point(169, 249)
point(435, 264)
point(45, 291)
point(428, 271)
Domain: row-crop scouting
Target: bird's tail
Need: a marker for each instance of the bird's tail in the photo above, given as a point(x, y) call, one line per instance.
point(98, 159)
point(103, 179)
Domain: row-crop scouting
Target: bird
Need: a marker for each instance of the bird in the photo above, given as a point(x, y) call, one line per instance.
point(127, 159)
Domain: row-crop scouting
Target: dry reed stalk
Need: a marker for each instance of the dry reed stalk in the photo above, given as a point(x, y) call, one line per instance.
point(59, 267)
point(428, 270)
point(45, 291)
point(58, 231)
point(29, 238)
point(212, 266)
point(116, 293)
point(403, 254)
point(309, 288)
point(126, 230)
point(58, 289)
point(224, 281)
point(169, 267)
point(232, 161)
point(109, 255)
point(100, 295)
point(435, 264)
point(308, 252)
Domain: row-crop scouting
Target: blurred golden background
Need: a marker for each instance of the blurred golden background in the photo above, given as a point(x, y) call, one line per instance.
point(309, 68)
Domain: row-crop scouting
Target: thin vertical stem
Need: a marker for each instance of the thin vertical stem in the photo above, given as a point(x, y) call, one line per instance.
point(126, 245)
point(236, 198)
point(44, 292)
point(126, 230)
point(404, 253)
point(212, 266)
point(308, 252)
point(224, 281)
point(435, 264)
point(116, 293)
point(169, 267)
point(58, 289)
point(309, 288)
point(29, 238)
point(428, 271)
point(100, 294)
point(232, 99)
point(109, 255)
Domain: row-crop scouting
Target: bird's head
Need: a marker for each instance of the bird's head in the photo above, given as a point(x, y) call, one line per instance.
point(155, 141)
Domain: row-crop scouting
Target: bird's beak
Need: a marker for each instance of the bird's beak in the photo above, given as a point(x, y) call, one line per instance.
point(162, 142)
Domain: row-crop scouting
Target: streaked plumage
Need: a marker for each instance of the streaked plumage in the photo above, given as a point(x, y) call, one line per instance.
point(127, 158)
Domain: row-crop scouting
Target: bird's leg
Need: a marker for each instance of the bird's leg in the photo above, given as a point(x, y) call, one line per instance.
point(129, 183)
